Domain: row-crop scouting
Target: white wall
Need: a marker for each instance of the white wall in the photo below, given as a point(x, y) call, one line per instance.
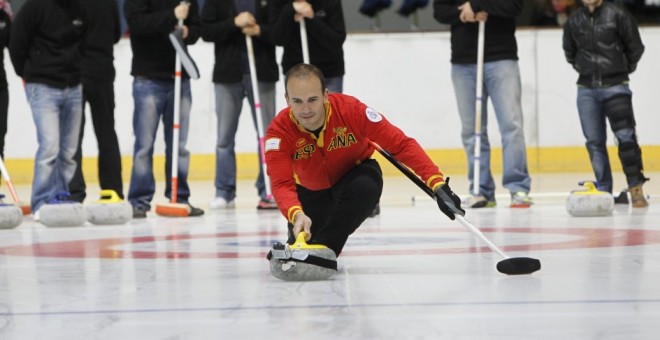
point(404, 75)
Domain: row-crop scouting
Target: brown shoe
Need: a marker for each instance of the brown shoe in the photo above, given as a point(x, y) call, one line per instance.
point(637, 196)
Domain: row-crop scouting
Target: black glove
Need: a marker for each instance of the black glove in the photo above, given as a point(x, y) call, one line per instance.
point(448, 201)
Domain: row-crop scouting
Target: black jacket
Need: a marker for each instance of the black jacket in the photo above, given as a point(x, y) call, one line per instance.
point(500, 40)
point(603, 46)
point(103, 33)
point(150, 23)
point(46, 42)
point(5, 30)
point(219, 28)
point(326, 34)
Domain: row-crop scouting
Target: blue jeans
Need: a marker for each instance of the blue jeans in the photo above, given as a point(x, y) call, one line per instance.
point(228, 105)
point(502, 85)
point(154, 100)
point(57, 114)
point(594, 127)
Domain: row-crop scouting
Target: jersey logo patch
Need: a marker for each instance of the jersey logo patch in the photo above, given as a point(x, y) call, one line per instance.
point(272, 144)
point(373, 115)
point(301, 142)
point(342, 139)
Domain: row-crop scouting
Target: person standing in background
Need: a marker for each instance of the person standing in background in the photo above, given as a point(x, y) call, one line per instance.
point(98, 76)
point(501, 82)
point(46, 49)
point(602, 43)
point(226, 23)
point(150, 22)
point(326, 33)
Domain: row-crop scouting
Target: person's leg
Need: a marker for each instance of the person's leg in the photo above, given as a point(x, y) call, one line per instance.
point(183, 161)
point(101, 98)
point(592, 120)
point(335, 84)
point(502, 79)
point(77, 186)
point(44, 104)
point(336, 213)
point(617, 105)
point(464, 78)
point(149, 104)
point(267, 98)
point(70, 124)
point(228, 105)
point(4, 107)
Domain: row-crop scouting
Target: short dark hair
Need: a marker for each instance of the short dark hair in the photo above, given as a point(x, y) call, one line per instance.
point(304, 71)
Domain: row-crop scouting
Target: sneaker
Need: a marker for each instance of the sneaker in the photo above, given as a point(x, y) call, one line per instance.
point(220, 203)
point(195, 211)
point(266, 204)
point(520, 199)
point(637, 197)
point(477, 201)
point(35, 216)
point(139, 211)
point(376, 211)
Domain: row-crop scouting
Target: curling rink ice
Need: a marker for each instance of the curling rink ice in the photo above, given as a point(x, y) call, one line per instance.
point(409, 273)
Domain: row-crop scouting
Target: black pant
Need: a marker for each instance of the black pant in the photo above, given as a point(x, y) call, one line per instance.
point(337, 212)
point(4, 106)
point(101, 98)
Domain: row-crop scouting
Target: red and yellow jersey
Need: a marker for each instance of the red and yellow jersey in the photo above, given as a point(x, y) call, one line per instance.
point(295, 155)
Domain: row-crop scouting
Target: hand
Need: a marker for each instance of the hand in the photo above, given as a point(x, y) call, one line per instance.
point(448, 202)
point(181, 11)
point(185, 31)
point(303, 10)
point(481, 16)
point(244, 19)
point(467, 14)
point(252, 31)
point(302, 222)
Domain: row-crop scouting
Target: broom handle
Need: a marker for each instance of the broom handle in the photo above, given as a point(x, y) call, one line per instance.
point(478, 107)
point(5, 174)
point(257, 109)
point(175, 125)
point(303, 41)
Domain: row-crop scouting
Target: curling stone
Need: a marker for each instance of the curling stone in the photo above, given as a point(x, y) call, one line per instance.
point(590, 201)
point(109, 209)
point(302, 261)
point(10, 215)
point(62, 212)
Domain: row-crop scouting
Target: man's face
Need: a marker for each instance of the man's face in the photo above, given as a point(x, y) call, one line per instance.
point(306, 98)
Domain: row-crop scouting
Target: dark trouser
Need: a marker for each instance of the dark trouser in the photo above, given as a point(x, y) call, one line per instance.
point(101, 98)
point(337, 212)
point(4, 106)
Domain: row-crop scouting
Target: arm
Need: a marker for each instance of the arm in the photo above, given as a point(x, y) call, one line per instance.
point(22, 32)
point(500, 8)
point(378, 129)
point(194, 24)
point(408, 152)
point(281, 174)
point(142, 22)
point(282, 23)
point(446, 11)
point(570, 48)
point(116, 21)
point(633, 47)
point(332, 30)
point(218, 28)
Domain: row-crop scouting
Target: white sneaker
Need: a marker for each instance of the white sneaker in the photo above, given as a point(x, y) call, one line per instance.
point(35, 216)
point(220, 203)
